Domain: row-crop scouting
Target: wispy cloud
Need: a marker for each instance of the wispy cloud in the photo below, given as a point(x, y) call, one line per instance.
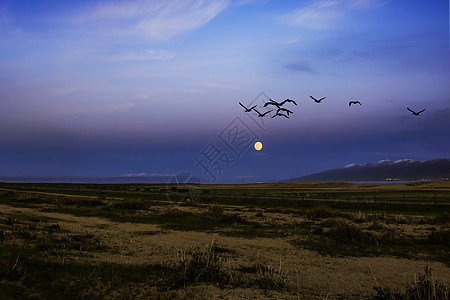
point(219, 85)
point(150, 54)
point(300, 67)
point(155, 19)
point(318, 15)
point(143, 174)
point(323, 14)
point(84, 110)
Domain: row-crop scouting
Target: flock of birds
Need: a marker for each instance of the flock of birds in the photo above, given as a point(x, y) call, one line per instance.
point(284, 112)
point(281, 111)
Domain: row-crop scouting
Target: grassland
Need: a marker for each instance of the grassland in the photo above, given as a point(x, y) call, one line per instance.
point(281, 240)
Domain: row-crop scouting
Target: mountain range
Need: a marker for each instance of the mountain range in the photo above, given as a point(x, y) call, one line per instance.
point(402, 170)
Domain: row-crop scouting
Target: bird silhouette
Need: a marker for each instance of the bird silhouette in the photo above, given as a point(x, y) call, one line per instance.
point(278, 114)
point(287, 100)
point(317, 101)
point(354, 102)
point(272, 102)
point(286, 110)
point(247, 109)
point(278, 104)
point(260, 114)
point(415, 113)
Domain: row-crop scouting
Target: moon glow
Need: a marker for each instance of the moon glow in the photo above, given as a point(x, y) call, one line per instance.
point(258, 146)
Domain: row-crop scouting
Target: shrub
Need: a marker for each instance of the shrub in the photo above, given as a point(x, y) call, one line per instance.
point(201, 265)
point(134, 204)
point(175, 212)
point(343, 231)
point(321, 211)
point(259, 214)
point(215, 210)
point(360, 217)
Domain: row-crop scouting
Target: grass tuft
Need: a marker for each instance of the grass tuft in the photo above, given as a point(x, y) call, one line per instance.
point(423, 288)
point(320, 212)
point(201, 265)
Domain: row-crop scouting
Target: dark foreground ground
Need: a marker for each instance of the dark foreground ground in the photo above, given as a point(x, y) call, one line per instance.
point(280, 241)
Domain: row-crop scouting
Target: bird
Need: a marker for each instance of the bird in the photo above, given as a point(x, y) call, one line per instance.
point(317, 101)
point(354, 102)
point(278, 114)
point(287, 100)
point(415, 113)
point(260, 114)
point(247, 109)
point(272, 102)
point(286, 110)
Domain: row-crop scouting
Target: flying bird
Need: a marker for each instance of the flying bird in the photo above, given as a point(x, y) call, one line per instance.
point(260, 114)
point(415, 113)
point(272, 102)
point(287, 100)
point(284, 109)
point(278, 104)
point(354, 102)
point(278, 114)
point(247, 109)
point(317, 101)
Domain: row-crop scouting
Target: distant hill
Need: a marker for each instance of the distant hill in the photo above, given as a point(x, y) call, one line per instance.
point(125, 178)
point(403, 170)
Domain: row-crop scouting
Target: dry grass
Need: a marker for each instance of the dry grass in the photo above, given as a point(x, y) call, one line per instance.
point(423, 288)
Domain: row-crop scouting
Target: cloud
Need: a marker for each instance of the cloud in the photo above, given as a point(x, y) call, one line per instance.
point(155, 19)
point(105, 108)
point(220, 85)
point(292, 41)
point(364, 4)
point(150, 54)
point(300, 67)
point(318, 15)
point(143, 174)
point(323, 14)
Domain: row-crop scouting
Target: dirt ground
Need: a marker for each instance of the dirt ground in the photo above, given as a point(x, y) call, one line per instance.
point(310, 274)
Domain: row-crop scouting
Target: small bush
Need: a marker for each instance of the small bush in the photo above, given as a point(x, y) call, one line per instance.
point(259, 214)
point(360, 217)
point(215, 210)
point(332, 222)
point(201, 265)
point(187, 202)
point(78, 202)
point(377, 226)
point(30, 198)
point(172, 211)
point(321, 211)
point(129, 204)
point(343, 231)
point(392, 235)
point(232, 218)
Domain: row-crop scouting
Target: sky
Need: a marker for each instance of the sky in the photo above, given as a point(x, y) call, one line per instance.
point(106, 88)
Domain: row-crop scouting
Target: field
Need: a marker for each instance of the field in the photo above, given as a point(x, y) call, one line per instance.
point(191, 241)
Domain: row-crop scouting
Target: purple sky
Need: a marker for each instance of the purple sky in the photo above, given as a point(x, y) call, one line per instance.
point(105, 88)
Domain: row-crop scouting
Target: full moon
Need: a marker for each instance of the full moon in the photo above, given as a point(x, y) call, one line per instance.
point(258, 146)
